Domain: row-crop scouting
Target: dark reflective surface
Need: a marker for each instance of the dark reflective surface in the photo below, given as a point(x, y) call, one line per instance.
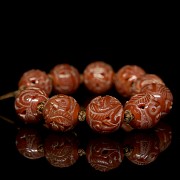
point(103, 153)
point(37, 152)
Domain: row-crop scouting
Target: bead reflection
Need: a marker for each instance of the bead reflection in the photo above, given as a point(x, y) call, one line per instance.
point(29, 143)
point(61, 150)
point(104, 154)
point(164, 133)
point(143, 147)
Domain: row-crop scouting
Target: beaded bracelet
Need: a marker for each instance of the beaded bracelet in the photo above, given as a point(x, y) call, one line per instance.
point(149, 98)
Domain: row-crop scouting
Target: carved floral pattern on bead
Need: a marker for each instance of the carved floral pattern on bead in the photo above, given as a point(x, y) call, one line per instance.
point(27, 104)
point(61, 150)
point(66, 78)
point(104, 114)
point(61, 112)
point(125, 77)
point(162, 94)
point(143, 147)
point(145, 110)
point(29, 143)
point(98, 77)
point(144, 80)
point(36, 78)
point(104, 154)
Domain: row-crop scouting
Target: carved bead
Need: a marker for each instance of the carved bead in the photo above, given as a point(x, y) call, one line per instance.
point(125, 77)
point(36, 78)
point(66, 78)
point(142, 111)
point(29, 103)
point(144, 80)
point(98, 77)
point(162, 94)
point(104, 114)
point(61, 112)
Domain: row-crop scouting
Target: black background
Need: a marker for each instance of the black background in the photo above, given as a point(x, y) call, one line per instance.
point(152, 48)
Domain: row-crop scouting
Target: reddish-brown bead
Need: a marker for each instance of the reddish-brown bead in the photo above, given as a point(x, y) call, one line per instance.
point(61, 112)
point(104, 154)
point(29, 143)
point(61, 150)
point(142, 111)
point(125, 77)
point(142, 148)
point(162, 94)
point(104, 114)
point(66, 78)
point(36, 78)
point(98, 77)
point(144, 80)
point(29, 104)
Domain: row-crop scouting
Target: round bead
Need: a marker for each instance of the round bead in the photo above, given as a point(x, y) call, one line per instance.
point(61, 150)
point(142, 111)
point(125, 77)
point(98, 77)
point(144, 80)
point(29, 143)
point(104, 114)
point(61, 112)
point(36, 78)
point(29, 103)
point(104, 154)
point(66, 78)
point(162, 94)
point(142, 147)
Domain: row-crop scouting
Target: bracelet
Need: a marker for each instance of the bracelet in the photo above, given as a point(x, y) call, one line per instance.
point(103, 153)
point(149, 98)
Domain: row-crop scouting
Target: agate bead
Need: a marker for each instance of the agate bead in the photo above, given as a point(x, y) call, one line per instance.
point(61, 113)
point(36, 78)
point(98, 77)
point(104, 114)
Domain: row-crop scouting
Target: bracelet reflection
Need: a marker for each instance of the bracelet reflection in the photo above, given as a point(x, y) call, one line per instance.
point(102, 152)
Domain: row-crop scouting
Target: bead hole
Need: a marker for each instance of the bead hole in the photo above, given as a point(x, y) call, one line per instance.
point(105, 152)
point(33, 81)
point(24, 112)
point(142, 106)
point(102, 74)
